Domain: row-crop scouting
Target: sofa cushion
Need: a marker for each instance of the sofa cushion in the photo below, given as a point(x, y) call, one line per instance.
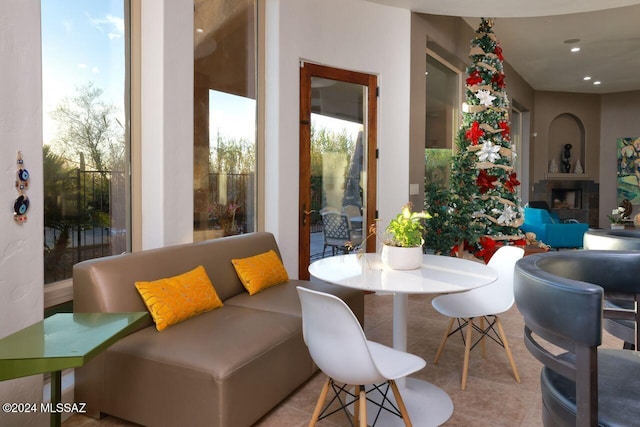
point(216, 362)
point(283, 298)
point(174, 299)
point(260, 271)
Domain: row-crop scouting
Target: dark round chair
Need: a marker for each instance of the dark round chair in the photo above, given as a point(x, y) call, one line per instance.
point(611, 240)
point(560, 295)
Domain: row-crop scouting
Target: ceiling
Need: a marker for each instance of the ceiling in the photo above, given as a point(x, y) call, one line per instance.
point(533, 36)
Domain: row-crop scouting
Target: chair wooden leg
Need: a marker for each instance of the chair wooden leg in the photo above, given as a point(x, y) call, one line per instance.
point(356, 406)
point(467, 351)
point(363, 407)
point(503, 337)
point(482, 346)
point(444, 340)
point(321, 399)
point(400, 402)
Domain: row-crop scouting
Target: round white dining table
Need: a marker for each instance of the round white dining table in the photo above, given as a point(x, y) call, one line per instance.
point(427, 404)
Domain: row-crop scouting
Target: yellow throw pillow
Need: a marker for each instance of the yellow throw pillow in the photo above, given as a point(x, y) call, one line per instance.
point(260, 271)
point(178, 298)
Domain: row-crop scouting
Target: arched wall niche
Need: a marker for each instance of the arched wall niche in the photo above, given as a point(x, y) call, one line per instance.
point(566, 128)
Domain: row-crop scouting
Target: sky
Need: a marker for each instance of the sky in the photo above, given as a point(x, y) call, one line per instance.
point(82, 41)
point(232, 115)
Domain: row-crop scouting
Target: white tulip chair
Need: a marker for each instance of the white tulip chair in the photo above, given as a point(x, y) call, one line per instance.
point(339, 347)
point(472, 308)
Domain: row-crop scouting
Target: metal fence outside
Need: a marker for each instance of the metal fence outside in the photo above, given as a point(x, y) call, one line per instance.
point(86, 216)
point(84, 219)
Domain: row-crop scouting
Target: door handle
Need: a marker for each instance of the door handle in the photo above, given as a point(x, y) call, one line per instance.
point(305, 214)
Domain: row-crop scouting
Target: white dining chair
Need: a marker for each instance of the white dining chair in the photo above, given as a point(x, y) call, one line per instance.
point(480, 304)
point(339, 347)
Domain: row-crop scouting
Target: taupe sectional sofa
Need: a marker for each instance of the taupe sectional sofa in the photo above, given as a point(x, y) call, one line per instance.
point(226, 367)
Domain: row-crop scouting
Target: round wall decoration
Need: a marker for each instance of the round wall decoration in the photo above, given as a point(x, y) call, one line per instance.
point(21, 204)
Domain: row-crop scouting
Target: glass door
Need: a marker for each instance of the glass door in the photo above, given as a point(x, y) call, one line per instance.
point(337, 161)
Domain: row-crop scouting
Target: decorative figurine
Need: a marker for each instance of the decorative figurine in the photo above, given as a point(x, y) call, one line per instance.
point(577, 169)
point(566, 158)
point(553, 167)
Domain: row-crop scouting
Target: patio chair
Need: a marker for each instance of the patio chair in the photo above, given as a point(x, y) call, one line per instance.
point(339, 233)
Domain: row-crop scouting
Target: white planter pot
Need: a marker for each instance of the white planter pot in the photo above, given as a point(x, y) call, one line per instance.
point(397, 258)
point(617, 226)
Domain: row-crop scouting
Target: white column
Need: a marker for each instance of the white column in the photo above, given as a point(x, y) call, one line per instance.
point(167, 122)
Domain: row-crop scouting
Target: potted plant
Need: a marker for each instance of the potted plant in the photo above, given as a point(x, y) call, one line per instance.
point(617, 218)
point(225, 217)
point(402, 249)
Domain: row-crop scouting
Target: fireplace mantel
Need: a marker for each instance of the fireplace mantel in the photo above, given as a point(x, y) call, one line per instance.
point(568, 177)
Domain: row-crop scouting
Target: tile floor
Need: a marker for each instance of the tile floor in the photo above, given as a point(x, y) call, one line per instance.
point(492, 397)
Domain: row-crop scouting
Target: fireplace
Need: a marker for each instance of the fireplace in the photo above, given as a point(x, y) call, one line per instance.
point(570, 198)
point(566, 198)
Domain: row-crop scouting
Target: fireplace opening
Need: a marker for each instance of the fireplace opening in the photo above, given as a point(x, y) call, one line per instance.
point(566, 198)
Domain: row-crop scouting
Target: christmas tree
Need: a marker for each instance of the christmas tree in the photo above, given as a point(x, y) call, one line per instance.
point(483, 178)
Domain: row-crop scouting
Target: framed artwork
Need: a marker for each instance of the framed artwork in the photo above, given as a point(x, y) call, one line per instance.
point(628, 173)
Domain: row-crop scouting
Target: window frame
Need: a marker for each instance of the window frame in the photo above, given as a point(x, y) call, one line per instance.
point(456, 113)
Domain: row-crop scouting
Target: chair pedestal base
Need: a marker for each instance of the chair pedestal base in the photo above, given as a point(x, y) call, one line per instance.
point(426, 404)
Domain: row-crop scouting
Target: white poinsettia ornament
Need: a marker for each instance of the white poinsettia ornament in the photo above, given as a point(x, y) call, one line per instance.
point(489, 152)
point(485, 97)
point(507, 216)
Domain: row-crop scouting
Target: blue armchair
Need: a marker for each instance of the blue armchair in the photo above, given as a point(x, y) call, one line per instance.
point(551, 230)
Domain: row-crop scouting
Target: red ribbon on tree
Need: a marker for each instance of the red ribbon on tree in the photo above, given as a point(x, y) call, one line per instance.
point(512, 182)
point(474, 133)
point(485, 181)
point(498, 51)
point(474, 78)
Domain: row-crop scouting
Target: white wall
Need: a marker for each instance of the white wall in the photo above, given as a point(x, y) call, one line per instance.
point(167, 122)
point(349, 34)
point(21, 259)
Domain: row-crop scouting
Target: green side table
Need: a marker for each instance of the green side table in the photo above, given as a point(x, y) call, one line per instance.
point(63, 341)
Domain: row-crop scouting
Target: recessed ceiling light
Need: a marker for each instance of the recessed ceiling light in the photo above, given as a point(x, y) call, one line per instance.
point(571, 41)
point(586, 78)
point(575, 49)
point(199, 30)
point(597, 82)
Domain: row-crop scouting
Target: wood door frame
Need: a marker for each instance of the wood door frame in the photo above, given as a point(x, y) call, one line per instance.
point(307, 71)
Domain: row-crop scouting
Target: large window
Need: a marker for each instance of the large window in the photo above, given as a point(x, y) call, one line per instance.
point(224, 118)
point(85, 103)
point(442, 86)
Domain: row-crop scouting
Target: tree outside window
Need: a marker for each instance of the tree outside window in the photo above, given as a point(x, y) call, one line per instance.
point(85, 146)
